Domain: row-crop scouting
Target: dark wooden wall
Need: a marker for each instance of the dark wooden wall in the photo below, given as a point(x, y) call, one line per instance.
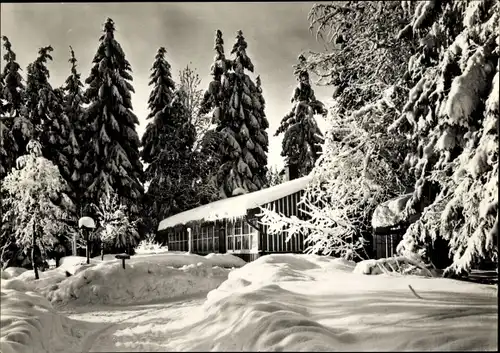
point(276, 243)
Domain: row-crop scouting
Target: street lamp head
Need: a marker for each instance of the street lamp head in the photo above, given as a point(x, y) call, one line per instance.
point(86, 223)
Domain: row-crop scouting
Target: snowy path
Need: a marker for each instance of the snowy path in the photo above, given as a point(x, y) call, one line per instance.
point(145, 327)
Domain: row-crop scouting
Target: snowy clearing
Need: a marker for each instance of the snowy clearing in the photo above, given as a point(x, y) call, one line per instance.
point(269, 305)
point(279, 302)
point(31, 324)
point(145, 278)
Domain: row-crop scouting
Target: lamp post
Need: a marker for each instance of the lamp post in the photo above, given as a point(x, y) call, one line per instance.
point(86, 224)
point(190, 241)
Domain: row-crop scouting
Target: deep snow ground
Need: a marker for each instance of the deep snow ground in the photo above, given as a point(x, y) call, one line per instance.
point(35, 314)
point(277, 303)
point(309, 303)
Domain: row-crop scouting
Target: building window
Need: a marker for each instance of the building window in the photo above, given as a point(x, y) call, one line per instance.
point(241, 237)
point(177, 240)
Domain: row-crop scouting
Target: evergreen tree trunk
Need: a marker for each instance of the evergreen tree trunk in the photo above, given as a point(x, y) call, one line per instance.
point(102, 251)
point(35, 268)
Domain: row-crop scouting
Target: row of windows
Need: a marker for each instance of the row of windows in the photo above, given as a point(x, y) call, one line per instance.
point(206, 245)
point(240, 236)
point(178, 246)
point(205, 239)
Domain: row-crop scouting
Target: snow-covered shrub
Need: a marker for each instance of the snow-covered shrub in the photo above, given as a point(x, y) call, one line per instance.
point(115, 228)
point(397, 265)
point(36, 204)
point(150, 246)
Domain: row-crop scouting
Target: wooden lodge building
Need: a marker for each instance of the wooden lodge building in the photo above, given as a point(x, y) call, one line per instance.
point(232, 225)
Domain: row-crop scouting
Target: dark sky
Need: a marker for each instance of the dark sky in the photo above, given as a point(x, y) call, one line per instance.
point(276, 34)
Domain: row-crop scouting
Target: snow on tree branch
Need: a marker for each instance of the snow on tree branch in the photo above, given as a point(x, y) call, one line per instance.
point(36, 201)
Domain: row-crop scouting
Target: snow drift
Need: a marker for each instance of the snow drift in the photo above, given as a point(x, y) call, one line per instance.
point(11, 272)
point(312, 303)
point(31, 325)
point(145, 278)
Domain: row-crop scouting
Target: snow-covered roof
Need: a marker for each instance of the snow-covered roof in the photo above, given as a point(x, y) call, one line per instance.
point(390, 213)
point(236, 206)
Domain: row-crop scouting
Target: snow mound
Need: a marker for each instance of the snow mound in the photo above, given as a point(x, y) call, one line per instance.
point(73, 263)
point(393, 265)
point(30, 324)
point(225, 260)
point(11, 272)
point(179, 259)
point(143, 280)
point(26, 281)
point(312, 303)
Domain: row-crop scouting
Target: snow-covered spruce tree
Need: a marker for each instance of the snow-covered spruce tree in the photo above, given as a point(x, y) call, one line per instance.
point(451, 115)
point(111, 161)
point(207, 159)
point(37, 204)
point(273, 176)
point(359, 167)
point(15, 129)
point(189, 82)
point(74, 99)
point(44, 107)
point(167, 145)
point(114, 227)
point(8, 145)
point(302, 138)
point(259, 104)
point(214, 103)
point(239, 115)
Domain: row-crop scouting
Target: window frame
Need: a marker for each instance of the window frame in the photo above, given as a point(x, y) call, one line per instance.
point(252, 234)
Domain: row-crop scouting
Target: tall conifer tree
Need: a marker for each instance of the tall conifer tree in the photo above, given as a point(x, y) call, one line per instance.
point(44, 107)
point(238, 111)
point(73, 107)
point(14, 128)
point(111, 162)
point(167, 147)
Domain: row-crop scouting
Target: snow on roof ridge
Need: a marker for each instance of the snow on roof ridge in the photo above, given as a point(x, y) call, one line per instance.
point(235, 206)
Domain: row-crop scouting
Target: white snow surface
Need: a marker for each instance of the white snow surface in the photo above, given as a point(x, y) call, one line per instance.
point(283, 302)
point(311, 303)
point(145, 278)
point(11, 272)
point(86, 222)
point(236, 206)
point(31, 325)
point(139, 282)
